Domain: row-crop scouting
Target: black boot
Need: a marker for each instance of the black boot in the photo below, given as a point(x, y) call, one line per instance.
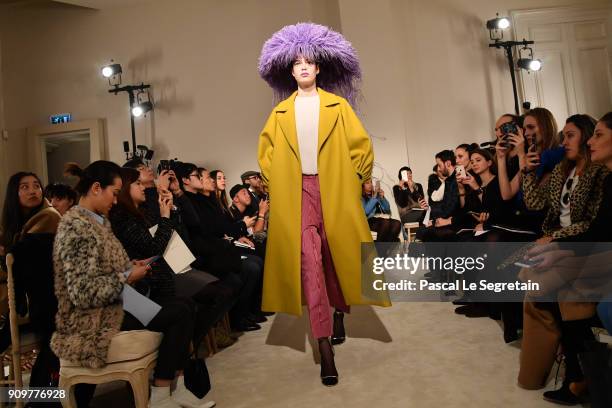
point(329, 374)
point(339, 335)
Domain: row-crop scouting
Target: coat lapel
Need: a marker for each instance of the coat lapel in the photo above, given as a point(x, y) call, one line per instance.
point(328, 115)
point(286, 118)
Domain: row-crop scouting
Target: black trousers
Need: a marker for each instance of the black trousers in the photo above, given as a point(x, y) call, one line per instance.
point(213, 301)
point(387, 229)
point(249, 294)
point(176, 322)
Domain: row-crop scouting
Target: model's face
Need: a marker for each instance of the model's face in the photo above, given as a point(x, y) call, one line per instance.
point(600, 144)
point(571, 141)
point(305, 72)
point(220, 181)
point(462, 157)
point(499, 123)
point(62, 205)
point(479, 163)
point(137, 192)
point(30, 193)
point(207, 182)
point(532, 130)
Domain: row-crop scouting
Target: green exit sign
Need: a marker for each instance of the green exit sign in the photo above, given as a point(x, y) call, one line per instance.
point(61, 118)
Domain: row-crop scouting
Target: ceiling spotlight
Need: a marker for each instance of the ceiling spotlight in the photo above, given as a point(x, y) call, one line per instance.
point(141, 109)
point(110, 70)
point(529, 64)
point(499, 23)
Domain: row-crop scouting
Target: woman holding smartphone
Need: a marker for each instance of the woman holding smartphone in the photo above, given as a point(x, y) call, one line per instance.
point(407, 195)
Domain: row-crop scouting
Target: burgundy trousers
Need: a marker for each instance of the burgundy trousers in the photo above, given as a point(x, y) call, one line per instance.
point(319, 281)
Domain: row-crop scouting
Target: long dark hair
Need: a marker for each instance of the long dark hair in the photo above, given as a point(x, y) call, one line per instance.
point(486, 154)
point(101, 171)
point(586, 125)
point(13, 218)
point(607, 120)
point(124, 199)
point(220, 195)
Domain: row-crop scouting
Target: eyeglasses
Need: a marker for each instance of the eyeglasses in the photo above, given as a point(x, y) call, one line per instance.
point(568, 187)
point(254, 177)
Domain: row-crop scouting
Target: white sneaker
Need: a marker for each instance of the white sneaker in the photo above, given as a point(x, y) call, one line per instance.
point(160, 398)
point(182, 396)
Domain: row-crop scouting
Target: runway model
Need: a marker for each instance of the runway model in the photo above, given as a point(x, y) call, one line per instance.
point(314, 155)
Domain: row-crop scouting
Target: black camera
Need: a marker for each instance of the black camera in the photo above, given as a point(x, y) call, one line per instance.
point(509, 128)
point(171, 164)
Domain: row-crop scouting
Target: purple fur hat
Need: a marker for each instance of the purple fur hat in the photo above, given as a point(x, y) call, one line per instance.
point(337, 59)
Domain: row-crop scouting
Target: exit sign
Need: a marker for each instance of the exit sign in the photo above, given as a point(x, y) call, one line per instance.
point(61, 118)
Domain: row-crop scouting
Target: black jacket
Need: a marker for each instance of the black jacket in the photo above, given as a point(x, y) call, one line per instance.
point(133, 232)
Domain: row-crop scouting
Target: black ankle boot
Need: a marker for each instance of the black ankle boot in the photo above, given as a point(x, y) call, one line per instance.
point(339, 336)
point(329, 374)
point(562, 396)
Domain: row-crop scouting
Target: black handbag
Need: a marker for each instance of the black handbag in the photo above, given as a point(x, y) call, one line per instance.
point(197, 379)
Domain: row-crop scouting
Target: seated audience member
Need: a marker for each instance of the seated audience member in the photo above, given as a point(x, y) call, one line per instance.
point(61, 197)
point(450, 200)
point(29, 226)
point(147, 175)
point(540, 130)
point(572, 196)
point(91, 271)
point(241, 200)
point(407, 195)
point(220, 194)
point(376, 205)
point(217, 255)
point(462, 155)
point(131, 227)
point(256, 189)
point(573, 320)
point(434, 184)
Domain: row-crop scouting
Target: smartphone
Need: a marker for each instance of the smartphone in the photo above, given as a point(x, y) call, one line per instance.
point(152, 260)
point(405, 175)
point(527, 263)
point(460, 171)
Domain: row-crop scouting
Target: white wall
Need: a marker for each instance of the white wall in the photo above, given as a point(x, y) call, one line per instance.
point(430, 81)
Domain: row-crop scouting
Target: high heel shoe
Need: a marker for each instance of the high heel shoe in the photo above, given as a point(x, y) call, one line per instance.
point(339, 336)
point(328, 380)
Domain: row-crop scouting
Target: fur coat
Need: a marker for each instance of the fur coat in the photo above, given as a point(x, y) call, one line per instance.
point(89, 263)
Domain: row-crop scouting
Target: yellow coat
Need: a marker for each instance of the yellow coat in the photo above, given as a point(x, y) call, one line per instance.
point(344, 162)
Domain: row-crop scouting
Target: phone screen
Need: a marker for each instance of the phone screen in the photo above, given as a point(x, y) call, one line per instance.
point(152, 260)
point(405, 175)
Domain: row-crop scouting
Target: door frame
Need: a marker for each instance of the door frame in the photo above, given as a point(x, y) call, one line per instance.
point(564, 14)
point(36, 136)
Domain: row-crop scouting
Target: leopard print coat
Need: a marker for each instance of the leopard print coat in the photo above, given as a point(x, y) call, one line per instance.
point(89, 263)
point(585, 199)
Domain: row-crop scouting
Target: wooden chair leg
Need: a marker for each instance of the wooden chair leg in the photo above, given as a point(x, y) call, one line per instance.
point(139, 380)
point(70, 400)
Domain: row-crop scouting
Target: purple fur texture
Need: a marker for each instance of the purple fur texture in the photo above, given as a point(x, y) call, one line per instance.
point(337, 59)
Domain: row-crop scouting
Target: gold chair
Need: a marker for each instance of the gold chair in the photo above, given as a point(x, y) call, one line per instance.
point(21, 343)
point(131, 357)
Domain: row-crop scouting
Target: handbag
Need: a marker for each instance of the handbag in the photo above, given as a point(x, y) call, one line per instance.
point(196, 375)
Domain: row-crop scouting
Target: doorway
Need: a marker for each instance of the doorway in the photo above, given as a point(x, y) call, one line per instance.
point(51, 147)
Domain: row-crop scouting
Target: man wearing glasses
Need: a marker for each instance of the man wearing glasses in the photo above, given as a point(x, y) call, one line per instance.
point(256, 189)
